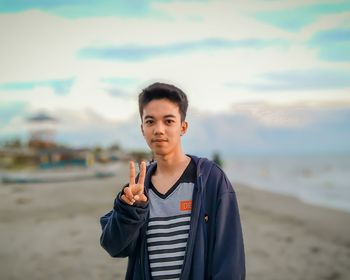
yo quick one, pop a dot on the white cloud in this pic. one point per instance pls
(39, 46)
(273, 115)
(248, 128)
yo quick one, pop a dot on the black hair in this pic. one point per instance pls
(164, 91)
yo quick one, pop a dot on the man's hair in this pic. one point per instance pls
(164, 91)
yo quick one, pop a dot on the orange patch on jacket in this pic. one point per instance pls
(185, 205)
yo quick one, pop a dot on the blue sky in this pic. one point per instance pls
(273, 76)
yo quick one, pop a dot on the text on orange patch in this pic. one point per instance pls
(185, 205)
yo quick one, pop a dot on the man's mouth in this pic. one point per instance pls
(159, 140)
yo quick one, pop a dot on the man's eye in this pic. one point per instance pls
(169, 121)
(149, 122)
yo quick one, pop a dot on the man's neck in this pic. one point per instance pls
(166, 164)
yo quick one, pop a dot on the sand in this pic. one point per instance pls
(52, 231)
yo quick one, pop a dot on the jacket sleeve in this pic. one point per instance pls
(229, 256)
(121, 227)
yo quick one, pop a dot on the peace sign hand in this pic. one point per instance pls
(135, 191)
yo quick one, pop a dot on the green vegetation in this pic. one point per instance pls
(217, 159)
(12, 143)
(139, 155)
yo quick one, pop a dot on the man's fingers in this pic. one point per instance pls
(142, 197)
(133, 188)
(132, 173)
(142, 175)
(127, 200)
(128, 193)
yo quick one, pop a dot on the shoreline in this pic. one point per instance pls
(298, 198)
(316, 180)
(320, 219)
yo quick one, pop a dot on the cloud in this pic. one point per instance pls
(89, 128)
(78, 9)
(85, 93)
(333, 45)
(302, 80)
(60, 87)
(274, 116)
(11, 110)
(46, 46)
(141, 52)
(241, 131)
(120, 93)
(244, 133)
(199, 56)
(294, 19)
(121, 87)
(42, 117)
(91, 8)
(119, 81)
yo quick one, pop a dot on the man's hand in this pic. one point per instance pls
(135, 191)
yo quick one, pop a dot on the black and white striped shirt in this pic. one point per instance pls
(169, 226)
(166, 241)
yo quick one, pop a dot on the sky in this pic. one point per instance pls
(263, 76)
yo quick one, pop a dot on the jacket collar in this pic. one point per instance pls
(203, 168)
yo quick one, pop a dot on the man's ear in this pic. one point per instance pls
(184, 127)
(143, 133)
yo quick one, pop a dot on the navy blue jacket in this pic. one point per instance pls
(215, 244)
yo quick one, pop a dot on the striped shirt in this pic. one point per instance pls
(169, 225)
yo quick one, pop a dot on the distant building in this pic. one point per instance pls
(42, 131)
(44, 152)
(62, 157)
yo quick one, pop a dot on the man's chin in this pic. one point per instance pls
(160, 151)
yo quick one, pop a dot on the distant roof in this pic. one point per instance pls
(40, 117)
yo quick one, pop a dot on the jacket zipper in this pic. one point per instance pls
(145, 272)
(193, 228)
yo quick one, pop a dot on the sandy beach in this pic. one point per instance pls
(51, 231)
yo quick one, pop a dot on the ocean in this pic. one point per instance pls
(321, 180)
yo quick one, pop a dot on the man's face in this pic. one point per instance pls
(162, 126)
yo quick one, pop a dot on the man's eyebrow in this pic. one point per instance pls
(169, 116)
(166, 116)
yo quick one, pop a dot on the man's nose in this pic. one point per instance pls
(158, 128)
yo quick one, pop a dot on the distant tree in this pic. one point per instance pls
(138, 156)
(97, 149)
(115, 147)
(217, 159)
(13, 143)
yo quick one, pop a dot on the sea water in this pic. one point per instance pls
(322, 180)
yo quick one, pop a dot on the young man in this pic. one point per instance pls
(179, 219)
